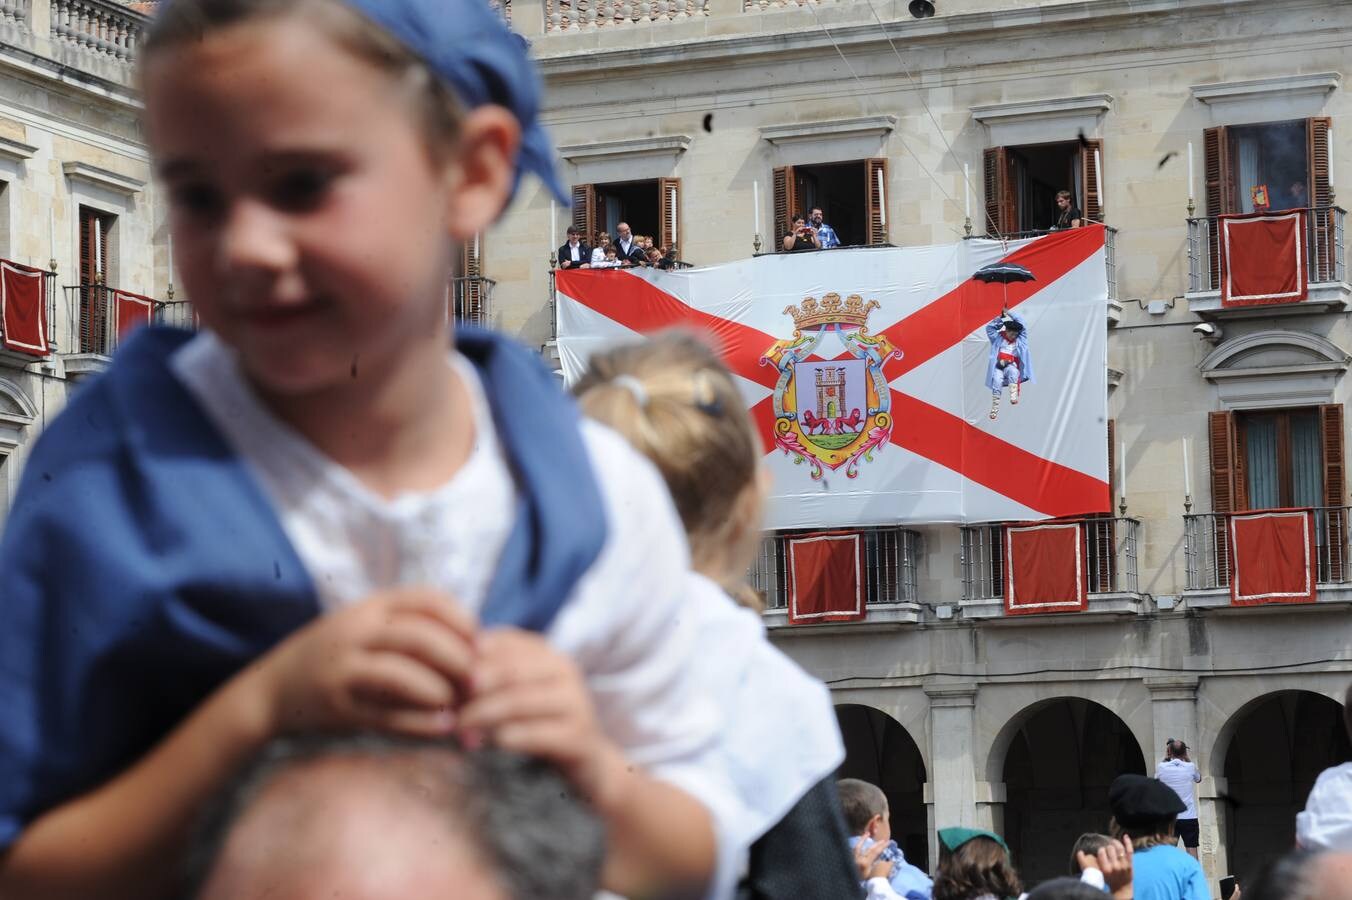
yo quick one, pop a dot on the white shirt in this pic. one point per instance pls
(1326, 821)
(629, 624)
(1181, 776)
(575, 251)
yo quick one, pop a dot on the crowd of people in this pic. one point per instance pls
(626, 251)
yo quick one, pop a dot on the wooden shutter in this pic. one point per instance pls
(94, 321)
(1220, 191)
(1322, 256)
(786, 203)
(669, 212)
(1222, 428)
(584, 212)
(1002, 204)
(1331, 430)
(877, 199)
(1093, 203)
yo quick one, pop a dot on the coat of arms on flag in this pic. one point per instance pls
(834, 409)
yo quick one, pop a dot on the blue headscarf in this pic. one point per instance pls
(467, 44)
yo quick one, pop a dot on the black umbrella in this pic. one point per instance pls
(1003, 273)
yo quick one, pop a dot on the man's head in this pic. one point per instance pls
(1302, 875)
(865, 808)
(1298, 189)
(622, 232)
(374, 818)
(816, 217)
(1063, 199)
(574, 235)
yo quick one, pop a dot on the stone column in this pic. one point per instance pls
(1173, 706)
(952, 776)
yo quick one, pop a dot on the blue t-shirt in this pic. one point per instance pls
(1167, 873)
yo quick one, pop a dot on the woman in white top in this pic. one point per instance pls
(1179, 772)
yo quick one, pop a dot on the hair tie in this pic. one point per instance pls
(634, 387)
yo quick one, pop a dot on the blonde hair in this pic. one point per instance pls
(674, 401)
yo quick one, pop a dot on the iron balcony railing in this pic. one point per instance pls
(1325, 249)
(890, 556)
(1109, 250)
(1109, 547)
(472, 300)
(92, 318)
(1206, 547)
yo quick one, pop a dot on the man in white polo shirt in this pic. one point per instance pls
(1180, 773)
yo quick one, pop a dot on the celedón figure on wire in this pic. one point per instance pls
(1010, 364)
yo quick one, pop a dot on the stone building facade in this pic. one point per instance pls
(698, 121)
(73, 171)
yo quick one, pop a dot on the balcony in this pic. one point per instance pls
(890, 556)
(1109, 563)
(1110, 260)
(1326, 253)
(472, 300)
(1206, 551)
(99, 318)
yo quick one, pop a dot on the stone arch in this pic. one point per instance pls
(1245, 694)
(1056, 758)
(1276, 367)
(882, 752)
(1273, 749)
(15, 402)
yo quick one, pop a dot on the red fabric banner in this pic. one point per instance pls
(1273, 557)
(1263, 259)
(23, 308)
(1044, 569)
(133, 311)
(826, 577)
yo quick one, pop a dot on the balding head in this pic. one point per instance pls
(371, 819)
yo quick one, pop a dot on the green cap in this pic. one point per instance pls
(953, 838)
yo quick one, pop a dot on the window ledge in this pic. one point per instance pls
(16, 151)
(112, 181)
(82, 365)
(878, 616)
(1114, 312)
(1037, 110)
(1284, 87)
(863, 126)
(1326, 596)
(1329, 296)
(672, 145)
(1106, 606)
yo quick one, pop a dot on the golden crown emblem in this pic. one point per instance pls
(831, 310)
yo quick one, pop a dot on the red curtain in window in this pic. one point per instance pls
(1264, 259)
(1044, 568)
(133, 311)
(23, 308)
(825, 577)
(1274, 558)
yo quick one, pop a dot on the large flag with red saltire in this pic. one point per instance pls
(889, 385)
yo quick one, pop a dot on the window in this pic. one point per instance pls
(94, 261)
(1286, 160)
(1271, 459)
(1022, 182)
(851, 196)
(96, 272)
(650, 208)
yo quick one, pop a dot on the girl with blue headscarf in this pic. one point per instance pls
(304, 517)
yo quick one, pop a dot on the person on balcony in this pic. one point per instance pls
(1297, 196)
(825, 233)
(801, 237)
(599, 247)
(627, 247)
(1068, 215)
(575, 254)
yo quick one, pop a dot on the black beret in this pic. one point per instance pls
(1138, 800)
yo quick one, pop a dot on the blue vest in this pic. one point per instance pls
(142, 565)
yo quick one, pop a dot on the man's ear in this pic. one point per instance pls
(483, 171)
(872, 827)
